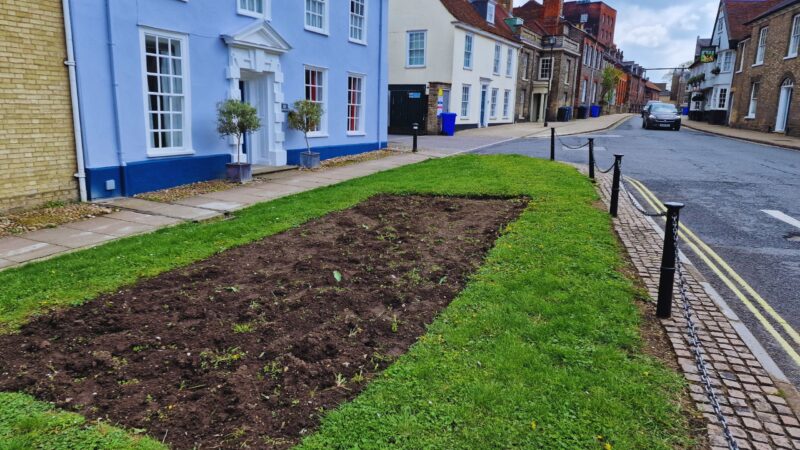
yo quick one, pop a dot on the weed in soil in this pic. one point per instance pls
(253, 345)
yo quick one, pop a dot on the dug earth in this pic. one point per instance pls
(253, 345)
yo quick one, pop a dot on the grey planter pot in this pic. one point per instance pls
(309, 160)
(239, 172)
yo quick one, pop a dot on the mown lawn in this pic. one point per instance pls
(542, 350)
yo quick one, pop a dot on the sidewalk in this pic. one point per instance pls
(477, 138)
(139, 216)
(776, 139)
(753, 400)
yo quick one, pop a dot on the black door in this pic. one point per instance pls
(408, 104)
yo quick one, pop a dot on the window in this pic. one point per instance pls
(594, 92)
(794, 41)
(506, 103)
(727, 61)
(743, 51)
(545, 68)
(762, 45)
(254, 8)
(468, 41)
(416, 48)
(465, 91)
(525, 64)
(569, 70)
(751, 112)
(316, 92)
(358, 21)
(355, 104)
(584, 18)
(722, 98)
(493, 103)
(165, 71)
(509, 62)
(523, 96)
(490, 9)
(497, 57)
(583, 90)
(316, 15)
(719, 25)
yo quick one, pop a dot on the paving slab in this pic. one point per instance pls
(211, 203)
(113, 227)
(164, 209)
(145, 219)
(19, 249)
(237, 195)
(69, 237)
(5, 263)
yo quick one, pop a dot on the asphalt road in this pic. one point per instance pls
(726, 185)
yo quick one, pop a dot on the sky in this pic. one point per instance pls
(660, 33)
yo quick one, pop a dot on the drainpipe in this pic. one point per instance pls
(115, 85)
(73, 91)
(380, 72)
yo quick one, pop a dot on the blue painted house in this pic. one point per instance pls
(150, 74)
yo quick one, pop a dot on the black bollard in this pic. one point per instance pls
(591, 158)
(415, 127)
(615, 184)
(668, 261)
(552, 144)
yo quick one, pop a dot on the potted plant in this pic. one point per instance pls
(236, 118)
(306, 116)
(716, 70)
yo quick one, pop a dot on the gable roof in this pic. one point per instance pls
(464, 12)
(739, 13)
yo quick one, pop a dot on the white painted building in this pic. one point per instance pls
(462, 48)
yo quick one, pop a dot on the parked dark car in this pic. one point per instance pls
(647, 106)
(662, 115)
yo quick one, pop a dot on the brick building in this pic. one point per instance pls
(532, 90)
(764, 81)
(37, 143)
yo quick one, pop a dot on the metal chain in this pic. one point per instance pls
(604, 171)
(635, 203)
(569, 146)
(696, 345)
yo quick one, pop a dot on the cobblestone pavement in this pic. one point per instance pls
(757, 404)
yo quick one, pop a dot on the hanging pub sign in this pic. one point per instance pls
(708, 54)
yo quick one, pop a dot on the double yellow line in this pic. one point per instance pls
(732, 280)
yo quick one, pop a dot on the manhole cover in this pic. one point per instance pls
(793, 236)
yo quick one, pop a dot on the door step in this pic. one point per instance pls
(267, 170)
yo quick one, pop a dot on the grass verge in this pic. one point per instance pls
(542, 350)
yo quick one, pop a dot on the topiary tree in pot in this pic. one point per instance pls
(306, 116)
(236, 118)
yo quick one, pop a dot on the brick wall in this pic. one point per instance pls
(770, 76)
(434, 123)
(37, 150)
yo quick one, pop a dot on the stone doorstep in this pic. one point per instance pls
(749, 388)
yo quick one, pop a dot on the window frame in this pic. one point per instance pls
(526, 66)
(186, 112)
(266, 5)
(361, 130)
(567, 72)
(743, 51)
(752, 107)
(491, 11)
(364, 17)
(722, 98)
(794, 37)
(541, 66)
(469, 37)
(466, 98)
(761, 46)
(424, 49)
(323, 123)
(510, 62)
(498, 59)
(727, 61)
(325, 17)
(507, 104)
(493, 98)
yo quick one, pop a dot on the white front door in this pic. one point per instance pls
(783, 106)
(257, 92)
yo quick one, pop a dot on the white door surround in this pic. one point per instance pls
(254, 56)
(784, 102)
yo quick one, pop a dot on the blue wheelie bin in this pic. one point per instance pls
(449, 124)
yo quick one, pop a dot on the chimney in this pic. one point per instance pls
(508, 5)
(551, 16)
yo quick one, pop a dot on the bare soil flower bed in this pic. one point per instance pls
(251, 346)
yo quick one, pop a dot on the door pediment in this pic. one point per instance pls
(259, 35)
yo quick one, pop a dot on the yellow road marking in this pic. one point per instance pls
(690, 237)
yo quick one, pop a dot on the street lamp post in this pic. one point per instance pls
(551, 41)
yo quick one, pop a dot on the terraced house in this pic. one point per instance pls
(461, 49)
(37, 142)
(150, 74)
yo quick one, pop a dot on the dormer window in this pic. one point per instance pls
(490, 8)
